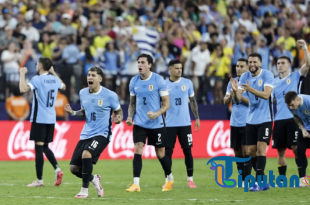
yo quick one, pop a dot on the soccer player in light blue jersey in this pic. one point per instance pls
(149, 100)
(178, 120)
(97, 106)
(258, 84)
(285, 131)
(238, 114)
(299, 106)
(43, 115)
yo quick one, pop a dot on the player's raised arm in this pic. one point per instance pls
(52, 71)
(23, 87)
(305, 67)
(79, 113)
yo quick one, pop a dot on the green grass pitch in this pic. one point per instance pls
(117, 174)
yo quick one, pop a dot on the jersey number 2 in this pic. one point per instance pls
(50, 98)
(144, 99)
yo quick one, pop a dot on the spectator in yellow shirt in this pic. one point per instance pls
(290, 42)
(220, 67)
(101, 41)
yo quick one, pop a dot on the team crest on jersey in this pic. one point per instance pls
(288, 81)
(151, 87)
(183, 87)
(307, 112)
(100, 102)
(260, 82)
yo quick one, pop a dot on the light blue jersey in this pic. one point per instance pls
(179, 92)
(281, 87)
(239, 110)
(303, 112)
(260, 110)
(45, 88)
(98, 108)
(148, 93)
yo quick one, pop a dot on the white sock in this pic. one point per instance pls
(170, 177)
(190, 178)
(136, 181)
(57, 169)
(41, 181)
(166, 179)
(84, 190)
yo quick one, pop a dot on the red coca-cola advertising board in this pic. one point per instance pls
(211, 140)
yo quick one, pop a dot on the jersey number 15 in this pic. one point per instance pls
(50, 98)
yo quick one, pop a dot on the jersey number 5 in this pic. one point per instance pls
(50, 98)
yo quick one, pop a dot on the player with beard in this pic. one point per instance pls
(238, 114)
(97, 106)
(43, 115)
(258, 84)
(285, 131)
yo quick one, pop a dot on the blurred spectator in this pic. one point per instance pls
(162, 59)
(61, 101)
(37, 22)
(66, 29)
(18, 35)
(266, 7)
(7, 38)
(46, 46)
(10, 59)
(6, 19)
(200, 61)
(219, 69)
(17, 106)
(30, 32)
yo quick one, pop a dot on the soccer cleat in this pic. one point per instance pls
(303, 182)
(191, 184)
(35, 183)
(97, 184)
(83, 193)
(58, 178)
(257, 188)
(168, 186)
(133, 188)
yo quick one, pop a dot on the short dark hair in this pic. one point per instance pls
(290, 96)
(148, 57)
(173, 62)
(46, 63)
(243, 60)
(256, 55)
(16, 91)
(96, 69)
(285, 57)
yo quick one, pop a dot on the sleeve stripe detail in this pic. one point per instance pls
(163, 93)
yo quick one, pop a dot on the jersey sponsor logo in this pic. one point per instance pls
(183, 87)
(100, 103)
(288, 81)
(151, 87)
(260, 82)
(19, 144)
(307, 112)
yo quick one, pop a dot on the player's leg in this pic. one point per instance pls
(90, 156)
(186, 141)
(50, 155)
(37, 134)
(139, 139)
(279, 139)
(292, 137)
(235, 143)
(170, 142)
(263, 139)
(157, 138)
(250, 148)
(302, 161)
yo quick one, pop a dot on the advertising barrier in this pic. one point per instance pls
(211, 140)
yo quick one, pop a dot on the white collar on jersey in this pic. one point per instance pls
(44, 74)
(175, 81)
(147, 78)
(96, 92)
(301, 99)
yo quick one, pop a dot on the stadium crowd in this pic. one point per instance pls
(207, 36)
